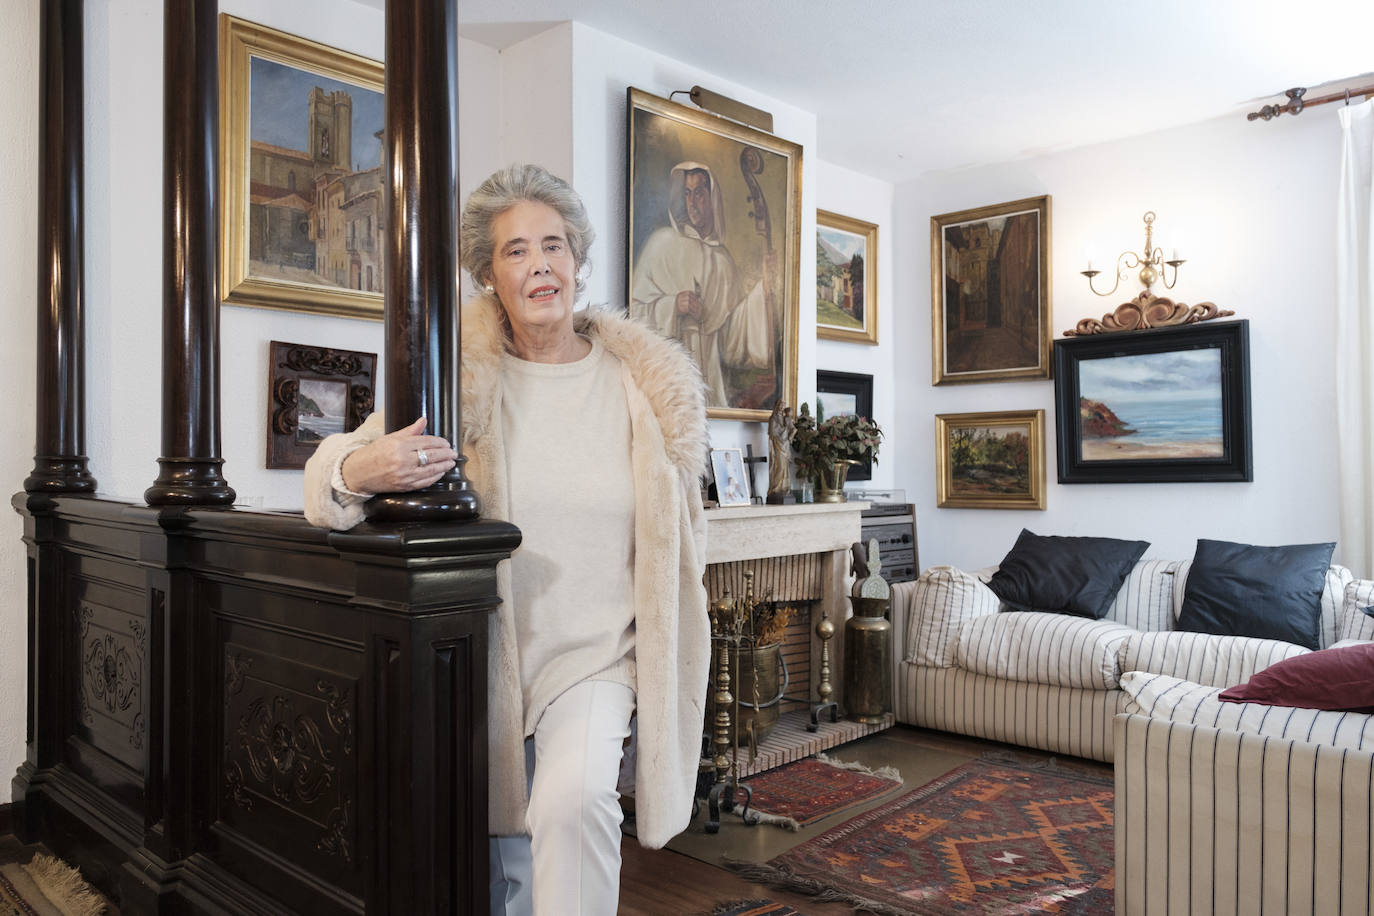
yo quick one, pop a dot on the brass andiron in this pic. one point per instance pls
(728, 621)
(825, 630)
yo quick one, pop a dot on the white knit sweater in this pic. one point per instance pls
(567, 430)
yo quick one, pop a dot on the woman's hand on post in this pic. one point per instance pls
(392, 463)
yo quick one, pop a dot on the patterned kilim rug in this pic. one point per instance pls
(993, 836)
(46, 887)
(803, 792)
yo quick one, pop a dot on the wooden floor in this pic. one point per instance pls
(667, 882)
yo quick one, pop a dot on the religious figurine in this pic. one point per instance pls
(781, 426)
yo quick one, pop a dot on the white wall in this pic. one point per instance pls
(19, 257)
(1252, 207)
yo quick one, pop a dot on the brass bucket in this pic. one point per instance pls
(758, 680)
(868, 661)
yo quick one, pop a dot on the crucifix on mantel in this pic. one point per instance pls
(750, 459)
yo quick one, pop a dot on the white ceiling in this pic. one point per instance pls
(902, 87)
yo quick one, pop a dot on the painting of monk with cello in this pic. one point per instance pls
(714, 231)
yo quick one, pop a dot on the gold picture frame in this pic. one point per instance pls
(845, 309)
(990, 460)
(730, 295)
(990, 293)
(300, 228)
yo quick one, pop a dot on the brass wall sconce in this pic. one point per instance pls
(1150, 260)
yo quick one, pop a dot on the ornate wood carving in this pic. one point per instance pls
(1148, 311)
(110, 662)
(324, 373)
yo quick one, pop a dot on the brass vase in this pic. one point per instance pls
(830, 482)
(758, 678)
(868, 661)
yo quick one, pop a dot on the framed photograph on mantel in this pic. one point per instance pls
(1169, 404)
(312, 392)
(846, 393)
(990, 293)
(302, 202)
(846, 278)
(714, 242)
(990, 460)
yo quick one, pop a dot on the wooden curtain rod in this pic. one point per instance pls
(1296, 102)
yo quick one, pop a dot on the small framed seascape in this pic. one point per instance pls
(311, 393)
(1164, 405)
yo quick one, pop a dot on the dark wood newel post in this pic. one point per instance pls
(421, 270)
(59, 464)
(190, 466)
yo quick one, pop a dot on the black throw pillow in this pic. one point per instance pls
(1065, 575)
(1268, 592)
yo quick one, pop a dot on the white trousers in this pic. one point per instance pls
(570, 862)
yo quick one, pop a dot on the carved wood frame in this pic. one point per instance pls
(291, 364)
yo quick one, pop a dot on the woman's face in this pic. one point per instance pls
(532, 268)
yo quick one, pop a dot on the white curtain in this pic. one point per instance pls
(1355, 338)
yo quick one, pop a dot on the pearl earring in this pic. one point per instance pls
(489, 289)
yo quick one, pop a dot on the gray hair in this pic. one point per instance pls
(503, 190)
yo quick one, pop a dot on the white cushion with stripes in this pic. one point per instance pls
(937, 605)
(1162, 697)
(1333, 597)
(1056, 649)
(1354, 622)
(1145, 598)
(1202, 658)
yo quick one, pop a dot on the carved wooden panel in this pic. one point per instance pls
(109, 647)
(289, 761)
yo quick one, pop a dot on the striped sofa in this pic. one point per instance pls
(1055, 682)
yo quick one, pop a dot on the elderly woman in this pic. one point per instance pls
(588, 431)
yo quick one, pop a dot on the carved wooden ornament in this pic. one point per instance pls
(1148, 311)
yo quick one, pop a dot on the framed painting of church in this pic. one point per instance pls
(846, 278)
(990, 293)
(714, 249)
(302, 202)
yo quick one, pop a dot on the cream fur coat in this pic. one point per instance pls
(672, 632)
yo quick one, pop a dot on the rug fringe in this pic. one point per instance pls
(777, 820)
(887, 772)
(786, 879)
(65, 886)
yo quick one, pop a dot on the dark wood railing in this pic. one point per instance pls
(233, 711)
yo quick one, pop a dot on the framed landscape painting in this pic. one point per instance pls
(990, 460)
(1169, 404)
(846, 278)
(302, 199)
(990, 293)
(714, 242)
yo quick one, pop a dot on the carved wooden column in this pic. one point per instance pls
(59, 464)
(421, 271)
(190, 462)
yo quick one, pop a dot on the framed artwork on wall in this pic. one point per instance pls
(714, 242)
(990, 293)
(732, 482)
(302, 200)
(846, 393)
(846, 278)
(312, 392)
(990, 460)
(1168, 404)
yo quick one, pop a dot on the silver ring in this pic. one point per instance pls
(422, 457)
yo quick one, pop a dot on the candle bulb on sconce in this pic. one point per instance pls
(1150, 260)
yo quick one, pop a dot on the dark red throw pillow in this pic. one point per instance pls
(1340, 679)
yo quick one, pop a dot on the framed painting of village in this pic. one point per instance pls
(1169, 404)
(714, 241)
(991, 460)
(990, 293)
(302, 202)
(846, 278)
